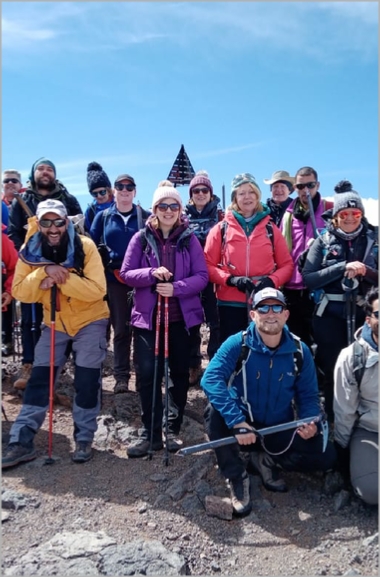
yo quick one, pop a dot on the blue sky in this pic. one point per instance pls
(245, 86)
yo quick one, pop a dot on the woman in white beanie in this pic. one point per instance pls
(166, 259)
(340, 267)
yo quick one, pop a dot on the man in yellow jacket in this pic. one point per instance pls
(57, 255)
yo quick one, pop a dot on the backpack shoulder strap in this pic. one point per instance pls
(359, 362)
(223, 232)
(298, 355)
(143, 240)
(243, 353)
(269, 227)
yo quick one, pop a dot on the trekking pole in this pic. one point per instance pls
(312, 214)
(34, 324)
(49, 460)
(155, 378)
(166, 357)
(349, 286)
(15, 331)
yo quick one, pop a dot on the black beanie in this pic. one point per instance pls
(96, 177)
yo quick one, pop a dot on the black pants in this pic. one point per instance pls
(302, 456)
(6, 325)
(31, 320)
(144, 361)
(330, 333)
(208, 300)
(232, 321)
(301, 309)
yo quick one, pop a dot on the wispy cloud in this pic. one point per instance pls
(345, 28)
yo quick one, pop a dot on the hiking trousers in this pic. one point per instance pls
(302, 456)
(364, 465)
(89, 347)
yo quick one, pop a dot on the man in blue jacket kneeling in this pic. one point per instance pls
(258, 379)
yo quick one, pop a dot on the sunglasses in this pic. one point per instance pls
(308, 185)
(375, 314)
(163, 207)
(12, 180)
(120, 186)
(47, 223)
(264, 309)
(99, 193)
(199, 190)
(343, 214)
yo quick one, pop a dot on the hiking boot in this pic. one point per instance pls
(240, 495)
(6, 349)
(16, 453)
(195, 375)
(83, 452)
(141, 448)
(120, 387)
(23, 376)
(264, 465)
(174, 443)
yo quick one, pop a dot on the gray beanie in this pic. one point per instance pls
(346, 197)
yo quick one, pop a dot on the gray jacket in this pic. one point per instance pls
(355, 406)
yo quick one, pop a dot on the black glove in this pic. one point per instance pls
(242, 283)
(264, 283)
(105, 254)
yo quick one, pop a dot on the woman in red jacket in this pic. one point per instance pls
(245, 252)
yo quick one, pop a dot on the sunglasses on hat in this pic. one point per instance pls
(308, 185)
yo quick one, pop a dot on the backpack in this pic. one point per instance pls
(359, 362)
(224, 226)
(298, 355)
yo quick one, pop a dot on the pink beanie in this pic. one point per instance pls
(200, 179)
(165, 192)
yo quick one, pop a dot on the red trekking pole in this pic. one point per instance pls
(156, 359)
(166, 365)
(49, 459)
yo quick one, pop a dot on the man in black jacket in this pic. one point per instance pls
(42, 184)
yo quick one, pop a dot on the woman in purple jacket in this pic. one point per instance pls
(165, 258)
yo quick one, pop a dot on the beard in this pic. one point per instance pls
(43, 185)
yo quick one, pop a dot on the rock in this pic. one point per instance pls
(371, 540)
(341, 500)
(14, 500)
(218, 507)
(4, 515)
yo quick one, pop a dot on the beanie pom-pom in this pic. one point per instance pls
(343, 186)
(94, 166)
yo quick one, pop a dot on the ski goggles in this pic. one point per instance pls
(264, 309)
(99, 193)
(12, 180)
(308, 185)
(48, 223)
(163, 207)
(120, 186)
(343, 214)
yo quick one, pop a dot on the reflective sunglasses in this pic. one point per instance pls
(264, 309)
(308, 185)
(199, 190)
(48, 223)
(12, 180)
(343, 214)
(375, 314)
(120, 186)
(99, 193)
(163, 207)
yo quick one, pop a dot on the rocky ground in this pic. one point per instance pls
(120, 516)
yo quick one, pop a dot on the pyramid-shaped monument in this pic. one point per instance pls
(182, 171)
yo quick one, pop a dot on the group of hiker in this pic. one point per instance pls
(287, 288)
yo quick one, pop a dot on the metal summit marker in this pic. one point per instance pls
(182, 171)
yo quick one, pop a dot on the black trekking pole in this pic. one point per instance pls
(166, 358)
(49, 459)
(16, 337)
(349, 287)
(34, 324)
(155, 377)
(312, 214)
